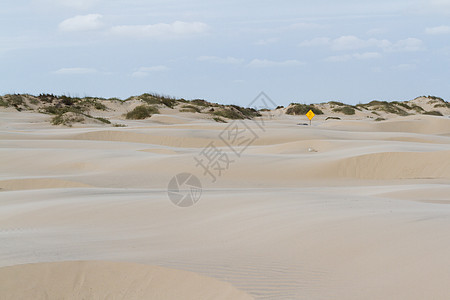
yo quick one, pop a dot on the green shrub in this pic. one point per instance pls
(380, 119)
(47, 98)
(201, 102)
(332, 118)
(16, 100)
(229, 114)
(67, 101)
(433, 113)
(302, 109)
(337, 103)
(247, 112)
(442, 105)
(153, 99)
(220, 120)
(3, 102)
(385, 106)
(417, 108)
(57, 120)
(402, 104)
(141, 112)
(191, 108)
(67, 119)
(59, 110)
(99, 106)
(103, 120)
(346, 110)
(34, 101)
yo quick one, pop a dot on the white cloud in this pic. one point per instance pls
(438, 30)
(407, 45)
(441, 6)
(359, 56)
(221, 60)
(264, 42)
(367, 55)
(303, 26)
(145, 71)
(319, 41)
(376, 31)
(82, 23)
(263, 63)
(338, 58)
(404, 67)
(73, 4)
(75, 71)
(350, 42)
(161, 30)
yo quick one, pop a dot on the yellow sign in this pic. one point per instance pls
(310, 115)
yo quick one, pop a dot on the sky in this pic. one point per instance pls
(303, 51)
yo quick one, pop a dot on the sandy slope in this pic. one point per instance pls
(108, 280)
(350, 209)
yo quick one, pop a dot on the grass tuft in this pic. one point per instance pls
(141, 112)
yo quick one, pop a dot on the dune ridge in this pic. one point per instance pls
(343, 209)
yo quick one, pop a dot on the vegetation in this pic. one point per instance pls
(346, 110)
(228, 113)
(153, 99)
(434, 99)
(3, 102)
(190, 108)
(380, 119)
(247, 112)
(201, 102)
(67, 109)
(67, 119)
(433, 113)
(219, 119)
(235, 112)
(302, 109)
(103, 120)
(391, 108)
(443, 105)
(332, 118)
(402, 104)
(142, 112)
(336, 103)
(417, 108)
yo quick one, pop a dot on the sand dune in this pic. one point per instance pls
(108, 280)
(348, 209)
(39, 183)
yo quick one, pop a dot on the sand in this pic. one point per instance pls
(349, 209)
(109, 280)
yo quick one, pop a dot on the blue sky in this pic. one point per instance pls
(227, 51)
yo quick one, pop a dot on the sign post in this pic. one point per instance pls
(310, 115)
